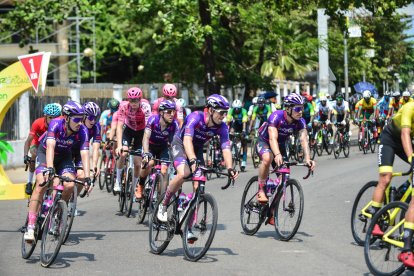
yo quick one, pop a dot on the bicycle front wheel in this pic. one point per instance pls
(381, 256)
(337, 145)
(53, 233)
(201, 222)
(129, 194)
(102, 169)
(29, 247)
(255, 156)
(251, 211)
(71, 212)
(288, 210)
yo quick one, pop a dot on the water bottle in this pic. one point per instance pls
(402, 189)
(47, 203)
(270, 187)
(188, 198)
(217, 155)
(393, 194)
(181, 200)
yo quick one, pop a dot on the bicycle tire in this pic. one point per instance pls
(365, 142)
(129, 195)
(196, 250)
(285, 234)
(101, 178)
(254, 155)
(372, 145)
(360, 224)
(58, 214)
(109, 174)
(167, 228)
(299, 156)
(376, 246)
(159, 180)
(209, 160)
(328, 146)
(27, 248)
(346, 147)
(121, 194)
(337, 145)
(234, 154)
(249, 206)
(71, 212)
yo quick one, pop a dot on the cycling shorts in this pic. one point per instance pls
(61, 162)
(160, 152)
(128, 135)
(263, 147)
(178, 153)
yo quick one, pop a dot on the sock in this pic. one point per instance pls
(262, 184)
(118, 176)
(408, 235)
(167, 197)
(30, 177)
(135, 180)
(244, 156)
(32, 220)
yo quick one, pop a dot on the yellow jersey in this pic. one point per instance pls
(404, 118)
(367, 106)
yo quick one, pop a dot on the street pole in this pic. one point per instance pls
(346, 67)
(78, 57)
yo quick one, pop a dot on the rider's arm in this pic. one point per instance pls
(145, 139)
(189, 147)
(245, 118)
(253, 117)
(50, 152)
(303, 136)
(84, 149)
(95, 153)
(119, 127)
(406, 118)
(273, 136)
(27, 143)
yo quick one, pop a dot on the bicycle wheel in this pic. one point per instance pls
(298, 151)
(360, 223)
(102, 169)
(372, 145)
(161, 233)
(381, 257)
(365, 142)
(71, 212)
(345, 146)
(122, 193)
(251, 211)
(28, 247)
(337, 145)
(255, 156)
(110, 174)
(328, 145)
(234, 155)
(129, 194)
(202, 221)
(210, 160)
(53, 233)
(288, 210)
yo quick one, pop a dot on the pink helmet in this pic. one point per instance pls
(134, 93)
(169, 90)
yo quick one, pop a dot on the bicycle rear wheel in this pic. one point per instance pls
(255, 156)
(345, 145)
(161, 233)
(53, 233)
(71, 212)
(251, 211)
(129, 194)
(328, 145)
(360, 223)
(102, 169)
(202, 221)
(28, 247)
(288, 210)
(365, 142)
(337, 145)
(372, 145)
(381, 257)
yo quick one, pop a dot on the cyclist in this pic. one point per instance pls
(340, 110)
(54, 155)
(271, 96)
(323, 109)
(366, 109)
(187, 147)
(262, 110)
(406, 98)
(237, 120)
(183, 104)
(381, 112)
(158, 133)
(106, 117)
(308, 111)
(272, 136)
(39, 126)
(130, 126)
(394, 104)
(169, 92)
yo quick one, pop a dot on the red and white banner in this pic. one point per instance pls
(36, 66)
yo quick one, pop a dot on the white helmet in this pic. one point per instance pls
(387, 93)
(366, 94)
(406, 93)
(236, 104)
(181, 102)
(254, 101)
(323, 98)
(396, 94)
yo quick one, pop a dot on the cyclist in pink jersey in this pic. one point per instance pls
(130, 127)
(169, 92)
(146, 108)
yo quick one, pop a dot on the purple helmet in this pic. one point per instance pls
(92, 109)
(293, 99)
(218, 102)
(167, 104)
(72, 108)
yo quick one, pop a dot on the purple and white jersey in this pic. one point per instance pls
(93, 133)
(278, 120)
(196, 127)
(64, 143)
(161, 137)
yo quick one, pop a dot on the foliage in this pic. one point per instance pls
(5, 148)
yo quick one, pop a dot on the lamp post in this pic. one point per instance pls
(89, 53)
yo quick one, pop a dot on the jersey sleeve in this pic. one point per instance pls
(273, 120)
(122, 113)
(407, 115)
(254, 114)
(97, 133)
(52, 129)
(224, 136)
(150, 122)
(84, 138)
(155, 106)
(230, 115)
(192, 120)
(245, 118)
(35, 128)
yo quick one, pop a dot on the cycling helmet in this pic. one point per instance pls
(406, 93)
(323, 99)
(181, 102)
(366, 94)
(293, 99)
(134, 93)
(261, 100)
(396, 94)
(167, 104)
(387, 93)
(113, 104)
(72, 108)
(218, 102)
(92, 109)
(52, 110)
(254, 101)
(236, 104)
(169, 90)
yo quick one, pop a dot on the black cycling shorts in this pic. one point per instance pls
(128, 135)
(390, 146)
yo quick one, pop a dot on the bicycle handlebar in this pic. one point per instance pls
(295, 163)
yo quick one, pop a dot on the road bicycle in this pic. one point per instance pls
(341, 141)
(236, 149)
(127, 194)
(253, 153)
(285, 204)
(107, 167)
(360, 216)
(366, 137)
(323, 139)
(214, 157)
(51, 223)
(199, 216)
(152, 191)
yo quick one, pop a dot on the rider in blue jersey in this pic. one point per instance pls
(106, 118)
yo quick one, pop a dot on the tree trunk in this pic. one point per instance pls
(210, 85)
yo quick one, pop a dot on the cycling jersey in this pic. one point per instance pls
(64, 143)
(367, 106)
(161, 137)
(93, 133)
(115, 120)
(308, 111)
(106, 118)
(403, 102)
(278, 119)
(239, 118)
(340, 109)
(383, 106)
(394, 104)
(263, 113)
(146, 108)
(403, 118)
(38, 128)
(196, 127)
(134, 119)
(179, 109)
(323, 111)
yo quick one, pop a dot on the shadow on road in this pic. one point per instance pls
(65, 258)
(76, 237)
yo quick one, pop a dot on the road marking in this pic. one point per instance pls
(293, 251)
(347, 201)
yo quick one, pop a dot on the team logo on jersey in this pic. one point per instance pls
(210, 133)
(165, 132)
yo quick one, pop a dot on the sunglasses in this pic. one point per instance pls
(91, 118)
(133, 100)
(298, 109)
(221, 112)
(169, 111)
(77, 120)
(51, 118)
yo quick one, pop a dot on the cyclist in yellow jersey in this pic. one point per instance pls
(366, 108)
(396, 140)
(405, 99)
(394, 104)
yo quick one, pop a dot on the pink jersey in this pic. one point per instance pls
(115, 119)
(178, 115)
(146, 108)
(134, 119)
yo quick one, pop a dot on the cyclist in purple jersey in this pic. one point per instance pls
(158, 134)
(54, 155)
(187, 148)
(273, 134)
(92, 113)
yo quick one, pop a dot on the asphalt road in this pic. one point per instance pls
(103, 242)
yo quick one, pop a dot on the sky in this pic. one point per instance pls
(409, 10)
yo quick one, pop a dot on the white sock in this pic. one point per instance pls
(30, 178)
(135, 180)
(118, 176)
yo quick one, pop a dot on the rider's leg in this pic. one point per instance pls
(29, 185)
(119, 167)
(266, 157)
(135, 177)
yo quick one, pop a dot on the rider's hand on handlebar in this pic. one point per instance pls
(311, 164)
(88, 184)
(146, 157)
(118, 151)
(233, 174)
(27, 159)
(278, 159)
